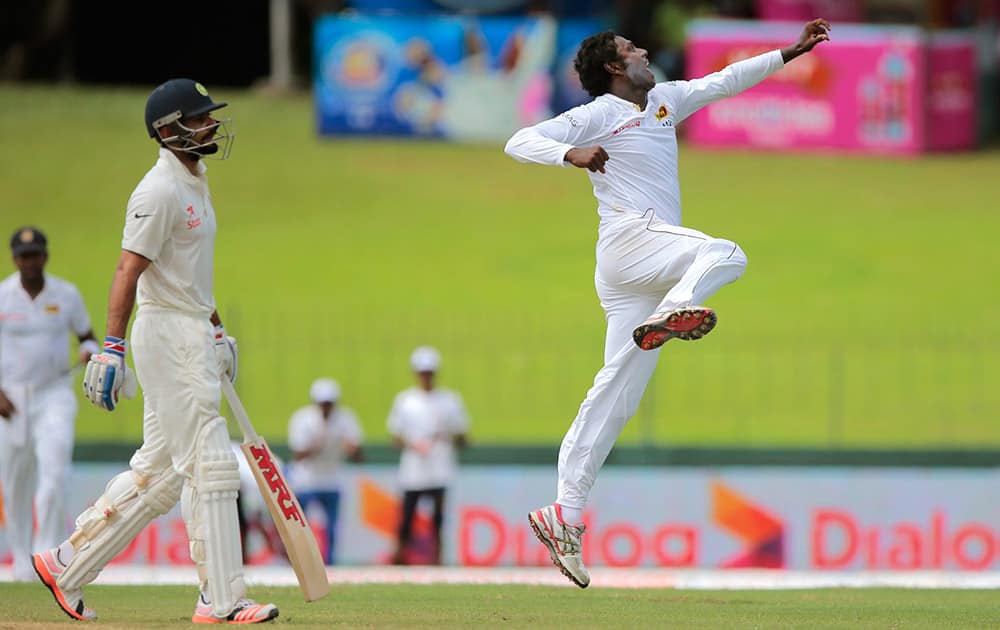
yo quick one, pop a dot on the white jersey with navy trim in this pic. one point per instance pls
(641, 172)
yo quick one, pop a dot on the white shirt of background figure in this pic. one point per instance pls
(34, 322)
(321, 436)
(427, 423)
(38, 406)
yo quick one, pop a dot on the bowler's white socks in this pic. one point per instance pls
(571, 515)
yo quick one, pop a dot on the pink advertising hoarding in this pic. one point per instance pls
(833, 10)
(866, 90)
(951, 91)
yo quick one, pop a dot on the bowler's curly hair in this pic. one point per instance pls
(595, 51)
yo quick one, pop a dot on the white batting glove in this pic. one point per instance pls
(227, 354)
(107, 375)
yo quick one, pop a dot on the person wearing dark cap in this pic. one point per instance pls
(180, 352)
(37, 403)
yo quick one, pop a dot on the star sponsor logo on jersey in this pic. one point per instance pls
(628, 125)
(193, 221)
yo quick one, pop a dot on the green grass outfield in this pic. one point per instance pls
(868, 315)
(480, 606)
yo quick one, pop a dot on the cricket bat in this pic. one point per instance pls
(289, 519)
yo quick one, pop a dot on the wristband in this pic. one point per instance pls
(114, 345)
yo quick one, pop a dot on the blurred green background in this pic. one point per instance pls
(868, 316)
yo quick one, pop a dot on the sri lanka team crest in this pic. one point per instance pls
(662, 116)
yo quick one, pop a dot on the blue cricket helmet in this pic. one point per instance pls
(175, 100)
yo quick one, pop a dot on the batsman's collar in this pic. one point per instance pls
(179, 170)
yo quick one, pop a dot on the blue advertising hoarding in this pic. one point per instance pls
(455, 77)
(567, 90)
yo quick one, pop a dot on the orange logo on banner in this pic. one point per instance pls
(763, 533)
(814, 75)
(382, 511)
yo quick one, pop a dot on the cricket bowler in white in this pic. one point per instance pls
(652, 275)
(180, 352)
(37, 402)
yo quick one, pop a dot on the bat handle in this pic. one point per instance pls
(249, 434)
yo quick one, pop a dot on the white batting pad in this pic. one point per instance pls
(209, 508)
(129, 503)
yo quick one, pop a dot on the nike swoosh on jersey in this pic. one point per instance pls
(141, 216)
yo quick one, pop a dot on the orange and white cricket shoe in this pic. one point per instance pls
(563, 542)
(245, 611)
(687, 323)
(49, 568)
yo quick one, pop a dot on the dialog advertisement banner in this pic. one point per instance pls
(827, 519)
(462, 78)
(862, 91)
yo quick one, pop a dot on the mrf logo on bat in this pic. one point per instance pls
(276, 484)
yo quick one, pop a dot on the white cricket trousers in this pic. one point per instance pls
(644, 266)
(175, 363)
(186, 451)
(36, 454)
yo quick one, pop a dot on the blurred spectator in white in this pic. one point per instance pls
(321, 437)
(427, 423)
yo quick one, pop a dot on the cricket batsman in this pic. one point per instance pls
(180, 351)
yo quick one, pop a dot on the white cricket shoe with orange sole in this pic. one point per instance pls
(48, 567)
(245, 611)
(563, 542)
